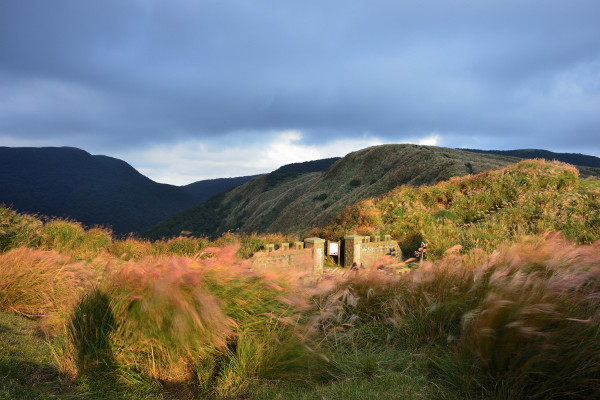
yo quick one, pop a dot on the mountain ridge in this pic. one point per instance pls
(202, 190)
(68, 182)
(580, 160)
(295, 204)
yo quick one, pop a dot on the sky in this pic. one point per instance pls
(185, 90)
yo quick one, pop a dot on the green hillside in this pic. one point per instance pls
(296, 203)
(481, 211)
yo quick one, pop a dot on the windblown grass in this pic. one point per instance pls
(18, 230)
(209, 321)
(72, 238)
(41, 284)
(521, 323)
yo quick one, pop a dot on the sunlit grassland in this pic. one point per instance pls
(513, 313)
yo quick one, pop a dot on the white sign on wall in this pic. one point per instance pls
(334, 248)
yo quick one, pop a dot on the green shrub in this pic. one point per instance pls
(320, 197)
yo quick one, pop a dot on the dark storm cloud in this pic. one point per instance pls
(504, 74)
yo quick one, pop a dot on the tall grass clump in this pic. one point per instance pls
(41, 284)
(130, 248)
(164, 321)
(180, 246)
(72, 238)
(537, 327)
(18, 230)
(61, 235)
(209, 322)
(406, 311)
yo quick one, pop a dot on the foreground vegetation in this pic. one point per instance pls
(516, 316)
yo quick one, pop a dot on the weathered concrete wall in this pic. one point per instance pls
(365, 250)
(310, 255)
(307, 256)
(371, 252)
(318, 247)
(301, 259)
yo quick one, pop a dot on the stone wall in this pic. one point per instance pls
(366, 250)
(371, 252)
(308, 256)
(301, 259)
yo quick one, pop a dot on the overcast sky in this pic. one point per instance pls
(185, 90)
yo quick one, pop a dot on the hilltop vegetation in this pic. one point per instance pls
(98, 190)
(292, 202)
(484, 210)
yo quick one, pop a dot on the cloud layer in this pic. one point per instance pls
(194, 79)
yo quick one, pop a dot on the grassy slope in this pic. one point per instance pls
(483, 210)
(205, 189)
(290, 203)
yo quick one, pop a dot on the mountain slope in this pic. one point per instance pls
(95, 190)
(205, 189)
(298, 202)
